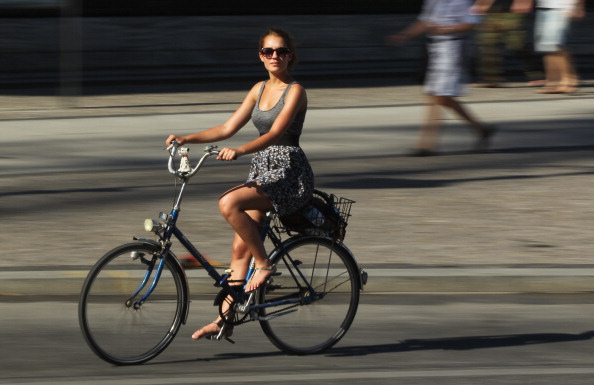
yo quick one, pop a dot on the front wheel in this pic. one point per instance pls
(116, 325)
(314, 296)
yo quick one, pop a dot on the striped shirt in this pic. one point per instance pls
(448, 13)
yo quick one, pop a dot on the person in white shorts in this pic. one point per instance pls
(551, 28)
(447, 24)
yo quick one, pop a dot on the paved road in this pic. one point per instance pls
(404, 339)
(76, 181)
(78, 177)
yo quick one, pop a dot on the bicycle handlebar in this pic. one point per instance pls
(185, 169)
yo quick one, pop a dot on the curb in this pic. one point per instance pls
(407, 280)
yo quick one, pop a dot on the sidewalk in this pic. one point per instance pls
(211, 98)
(545, 274)
(483, 280)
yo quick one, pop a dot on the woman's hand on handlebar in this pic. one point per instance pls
(228, 154)
(179, 139)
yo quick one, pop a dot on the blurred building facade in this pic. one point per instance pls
(67, 44)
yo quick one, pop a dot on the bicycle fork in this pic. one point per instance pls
(150, 267)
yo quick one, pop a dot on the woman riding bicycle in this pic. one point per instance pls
(280, 177)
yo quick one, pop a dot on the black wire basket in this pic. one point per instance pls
(330, 219)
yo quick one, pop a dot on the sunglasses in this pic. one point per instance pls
(281, 52)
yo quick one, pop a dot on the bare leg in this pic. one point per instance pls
(235, 206)
(561, 74)
(430, 129)
(551, 64)
(568, 76)
(454, 105)
(483, 131)
(241, 256)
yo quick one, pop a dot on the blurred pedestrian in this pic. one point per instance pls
(448, 25)
(552, 24)
(505, 27)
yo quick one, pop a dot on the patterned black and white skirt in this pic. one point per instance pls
(285, 175)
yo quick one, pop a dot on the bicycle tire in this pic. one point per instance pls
(116, 331)
(309, 328)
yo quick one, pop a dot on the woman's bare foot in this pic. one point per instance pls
(212, 329)
(260, 276)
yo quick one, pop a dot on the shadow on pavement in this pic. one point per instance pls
(462, 343)
(454, 343)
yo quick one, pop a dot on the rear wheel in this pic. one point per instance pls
(118, 328)
(322, 280)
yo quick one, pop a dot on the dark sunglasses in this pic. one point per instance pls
(268, 52)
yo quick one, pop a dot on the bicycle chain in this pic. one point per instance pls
(246, 320)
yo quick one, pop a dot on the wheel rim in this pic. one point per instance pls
(314, 327)
(118, 332)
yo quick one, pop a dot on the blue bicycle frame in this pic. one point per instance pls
(170, 229)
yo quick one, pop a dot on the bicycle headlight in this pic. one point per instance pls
(150, 225)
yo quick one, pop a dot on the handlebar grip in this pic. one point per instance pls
(173, 147)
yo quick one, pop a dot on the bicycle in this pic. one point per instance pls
(136, 296)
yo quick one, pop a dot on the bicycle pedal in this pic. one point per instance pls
(217, 338)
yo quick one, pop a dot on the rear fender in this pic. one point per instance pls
(362, 276)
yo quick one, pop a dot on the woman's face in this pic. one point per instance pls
(276, 60)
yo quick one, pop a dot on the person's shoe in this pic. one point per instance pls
(484, 140)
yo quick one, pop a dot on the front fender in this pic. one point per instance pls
(178, 268)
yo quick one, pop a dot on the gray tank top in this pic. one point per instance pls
(263, 120)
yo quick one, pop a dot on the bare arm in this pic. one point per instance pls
(295, 101)
(579, 11)
(415, 29)
(226, 130)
